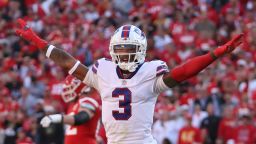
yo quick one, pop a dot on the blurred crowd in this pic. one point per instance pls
(217, 106)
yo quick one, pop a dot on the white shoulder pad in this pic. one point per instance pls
(161, 67)
(151, 70)
(106, 70)
(92, 76)
(95, 66)
(155, 68)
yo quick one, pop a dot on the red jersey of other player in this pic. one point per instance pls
(101, 135)
(82, 115)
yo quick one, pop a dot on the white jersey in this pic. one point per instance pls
(128, 104)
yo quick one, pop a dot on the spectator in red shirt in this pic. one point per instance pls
(227, 125)
(189, 134)
(244, 133)
(22, 138)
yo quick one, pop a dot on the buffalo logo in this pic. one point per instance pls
(139, 32)
(143, 35)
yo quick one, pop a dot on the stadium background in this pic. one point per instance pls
(219, 102)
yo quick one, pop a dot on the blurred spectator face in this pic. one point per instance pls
(164, 115)
(160, 31)
(20, 116)
(11, 117)
(245, 120)
(24, 92)
(197, 108)
(39, 106)
(188, 118)
(229, 85)
(184, 111)
(179, 17)
(4, 92)
(26, 61)
(233, 2)
(210, 109)
(201, 92)
(228, 112)
(253, 32)
(21, 134)
(230, 17)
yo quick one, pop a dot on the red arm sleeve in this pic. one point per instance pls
(191, 67)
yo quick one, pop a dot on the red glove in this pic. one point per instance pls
(28, 34)
(229, 46)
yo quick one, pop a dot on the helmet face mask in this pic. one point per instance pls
(126, 55)
(128, 47)
(68, 93)
(73, 88)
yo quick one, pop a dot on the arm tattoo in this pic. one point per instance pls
(63, 59)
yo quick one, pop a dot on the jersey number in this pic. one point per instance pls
(125, 103)
(70, 130)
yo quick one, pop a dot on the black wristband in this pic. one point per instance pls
(81, 118)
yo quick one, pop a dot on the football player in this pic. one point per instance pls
(128, 85)
(82, 115)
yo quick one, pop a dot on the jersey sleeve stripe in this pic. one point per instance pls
(91, 100)
(94, 70)
(161, 67)
(88, 105)
(96, 64)
(95, 67)
(161, 72)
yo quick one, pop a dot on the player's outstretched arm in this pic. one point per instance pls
(60, 57)
(80, 118)
(83, 116)
(197, 64)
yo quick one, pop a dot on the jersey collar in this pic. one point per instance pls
(121, 76)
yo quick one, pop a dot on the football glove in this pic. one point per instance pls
(229, 46)
(25, 32)
(47, 120)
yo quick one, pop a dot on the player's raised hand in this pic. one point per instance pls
(25, 32)
(229, 46)
(47, 120)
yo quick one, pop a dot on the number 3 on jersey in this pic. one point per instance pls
(125, 103)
